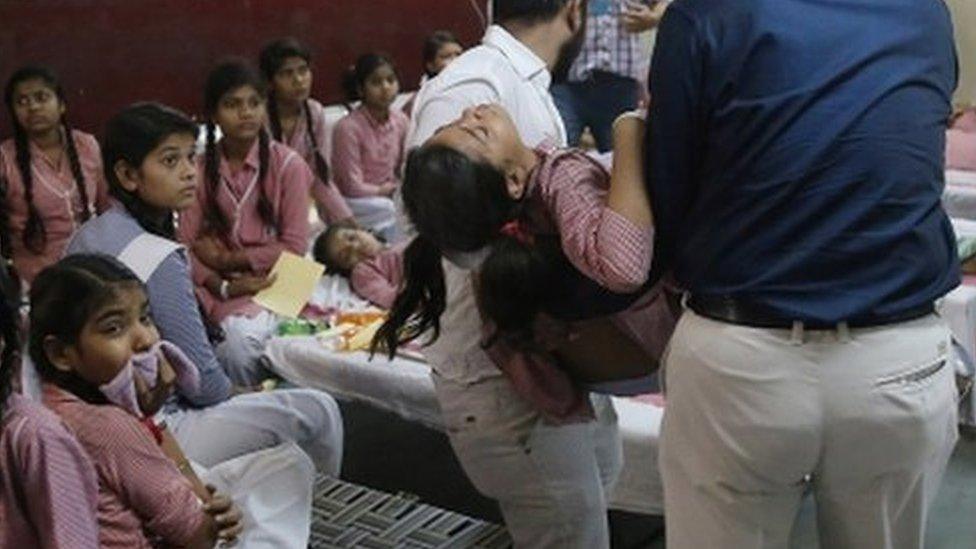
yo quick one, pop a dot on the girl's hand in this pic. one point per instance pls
(151, 400)
(212, 252)
(249, 285)
(640, 17)
(387, 189)
(226, 516)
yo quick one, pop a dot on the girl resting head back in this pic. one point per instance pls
(149, 154)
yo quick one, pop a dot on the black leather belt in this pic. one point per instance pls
(755, 315)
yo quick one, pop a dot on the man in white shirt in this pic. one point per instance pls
(551, 480)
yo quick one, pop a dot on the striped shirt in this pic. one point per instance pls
(48, 490)
(143, 500)
(568, 196)
(609, 47)
(171, 299)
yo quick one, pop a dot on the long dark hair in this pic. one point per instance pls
(130, 136)
(35, 238)
(62, 299)
(273, 56)
(224, 78)
(458, 205)
(9, 331)
(355, 76)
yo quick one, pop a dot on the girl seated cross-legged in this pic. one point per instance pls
(152, 173)
(106, 372)
(48, 490)
(252, 204)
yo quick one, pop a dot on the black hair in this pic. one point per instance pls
(62, 299)
(35, 238)
(355, 76)
(130, 136)
(224, 78)
(9, 331)
(433, 45)
(458, 205)
(529, 11)
(320, 250)
(272, 57)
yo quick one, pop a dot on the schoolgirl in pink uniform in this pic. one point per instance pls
(369, 145)
(299, 121)
(53, 173)
(252, 205)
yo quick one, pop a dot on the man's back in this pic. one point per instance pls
(806, 170)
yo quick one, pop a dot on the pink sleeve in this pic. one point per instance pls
(293, 184)
(101, 185)
(347, 165)
(189, 229)
(331, 205)
(378, 279)
(56, 472)
(598, 241)
(149, 482)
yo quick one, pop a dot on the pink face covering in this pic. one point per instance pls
(121, 390)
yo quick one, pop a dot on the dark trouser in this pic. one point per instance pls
(595, 103)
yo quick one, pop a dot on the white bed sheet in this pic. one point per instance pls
(959, 195)
(404, 387)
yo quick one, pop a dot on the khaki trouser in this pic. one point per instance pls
(550, 481)
(864, 418)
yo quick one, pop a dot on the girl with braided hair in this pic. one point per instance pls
(298, 121)
(53, 173)
(252, 205)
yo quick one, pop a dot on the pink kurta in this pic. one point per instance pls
(367, 154)
(48, 490)
(56, 198)
(141, 493)
(326, 195)
(378, 279)
(287, 186)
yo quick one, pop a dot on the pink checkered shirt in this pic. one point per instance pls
(569, 192)
(48, 490)
(143, 500)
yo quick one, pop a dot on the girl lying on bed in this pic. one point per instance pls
(527, 222)
(374, 269)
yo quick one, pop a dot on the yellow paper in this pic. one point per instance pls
(292, 289)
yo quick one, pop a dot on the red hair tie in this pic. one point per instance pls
(517, 230)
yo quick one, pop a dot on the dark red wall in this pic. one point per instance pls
(112, 52)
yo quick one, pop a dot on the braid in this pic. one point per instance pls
(215, 218)
(264, 203)
(86, 208)
(35, 238)
(6, 240)
(273, 117)
(321, 167)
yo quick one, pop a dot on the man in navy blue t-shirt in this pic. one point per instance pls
(795, 163)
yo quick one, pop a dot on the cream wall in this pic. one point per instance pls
(964, 20)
